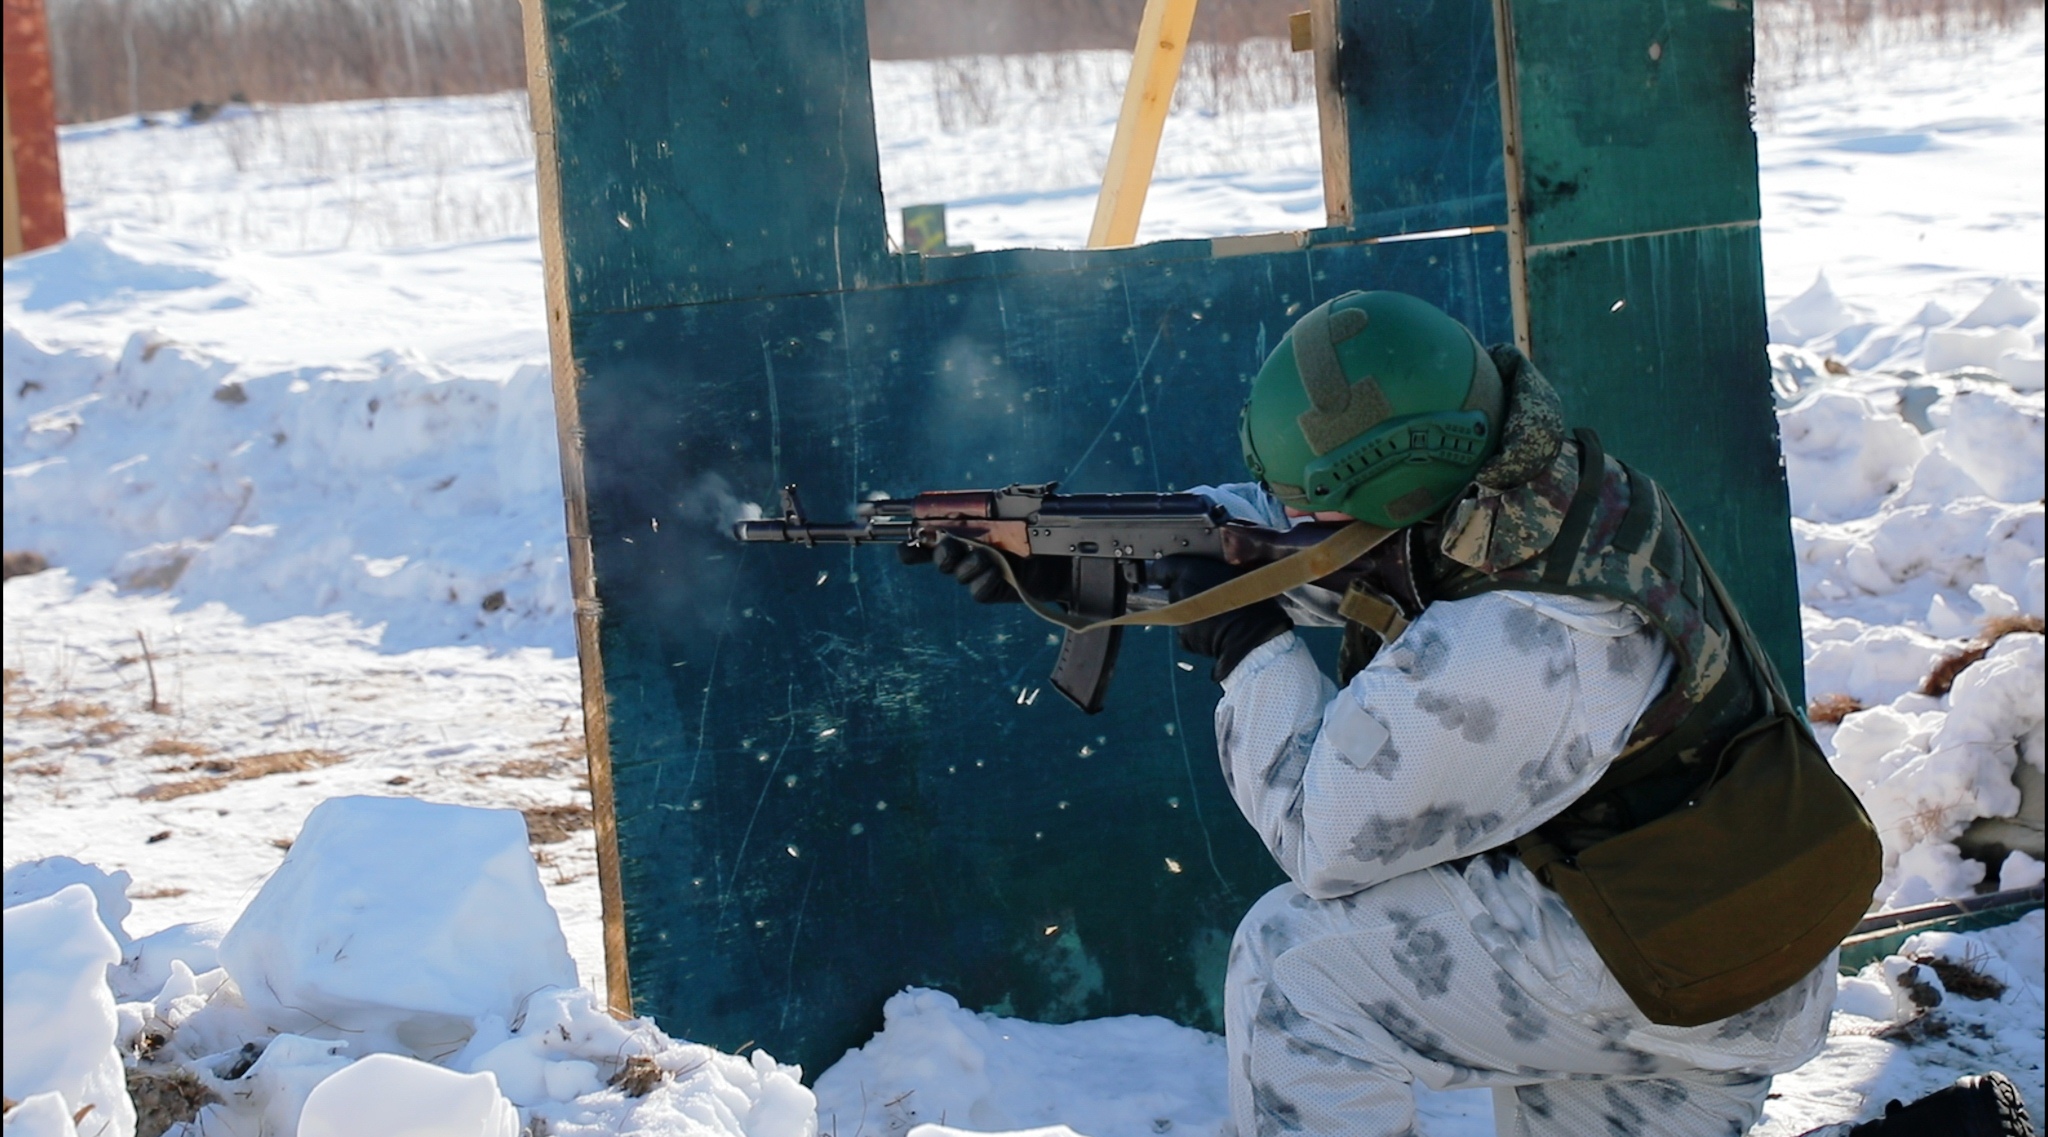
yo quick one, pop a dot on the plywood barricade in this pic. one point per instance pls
(820, 776)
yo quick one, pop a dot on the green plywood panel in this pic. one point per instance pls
(826, 785)
(1421, 97)
(764, 700)
(713, 150)
(1657, 342)
(1634, 116)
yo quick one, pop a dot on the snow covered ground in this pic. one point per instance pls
(279, 415)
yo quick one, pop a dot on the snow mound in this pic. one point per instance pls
(39, 1115)
(401, 974)
(33, 880)
(2001, 335)
(1842, 455)
(88, 271)
(396, 923)
(403, 1097)
(1918, 520)
(60, 1020)
(934, 1062)
(392, 489)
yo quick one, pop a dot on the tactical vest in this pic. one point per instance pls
(1719, 860)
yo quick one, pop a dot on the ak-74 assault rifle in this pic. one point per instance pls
(1109, 539)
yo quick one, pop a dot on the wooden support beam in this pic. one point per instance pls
(568, 378)
(1155, 67)
(1331, 121)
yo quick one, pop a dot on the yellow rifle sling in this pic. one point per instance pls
(1262, 583)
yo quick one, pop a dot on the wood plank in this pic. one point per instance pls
(566, 378)
(1331, 124)
(1148, 95)
(1634, 117)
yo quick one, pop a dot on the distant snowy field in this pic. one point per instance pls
(279, 414)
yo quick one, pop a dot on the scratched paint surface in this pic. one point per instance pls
(1635, 117)
(834, 775)
(1422, 98)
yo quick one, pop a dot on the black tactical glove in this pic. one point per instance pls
(1045, 578)
(1227, 638)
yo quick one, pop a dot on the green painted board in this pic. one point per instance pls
(1421, 91)
(714, 150)
(1859, 952)
(1608, 320)
(1635, 117)
(836, 776)
(823, 776)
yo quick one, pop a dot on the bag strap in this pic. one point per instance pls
(1263, 583)
(1579, 515)
(1737, 625)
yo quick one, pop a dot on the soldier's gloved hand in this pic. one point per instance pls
(1045, 578)
(1227, 638)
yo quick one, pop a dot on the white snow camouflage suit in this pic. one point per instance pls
(1396, 955)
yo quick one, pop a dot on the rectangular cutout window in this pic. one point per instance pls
(1004, 114)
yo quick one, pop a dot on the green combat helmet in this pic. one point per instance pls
(1377, 405)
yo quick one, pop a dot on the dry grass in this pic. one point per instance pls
(1832, 709)
(219, 773)
(638, 1077)
(176, 748)
(1943, 677)
(549, 824)
(1964, 977)
(22, 562)
(525, 768)
(166, 1097)
(67, 710)
(166, 893)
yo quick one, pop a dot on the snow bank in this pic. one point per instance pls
(1917, 519)
(401, 973)
(935, 1062)
(396, 923)
(2001, 335)
(60, 1018)
(392, 489)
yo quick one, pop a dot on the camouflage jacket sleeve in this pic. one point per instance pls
(1483, 720)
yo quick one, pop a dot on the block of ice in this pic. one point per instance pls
(60, 1019)
(397, 923)
(401, 1097)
